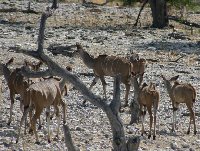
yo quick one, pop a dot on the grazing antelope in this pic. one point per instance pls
(148, 97)
(42, 95)
(105, 65)
(181, 93)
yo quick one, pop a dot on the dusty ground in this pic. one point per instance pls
(107, 31)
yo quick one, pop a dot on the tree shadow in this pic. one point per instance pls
(12, 23)
(175, 45)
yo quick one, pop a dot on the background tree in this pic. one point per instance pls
(159, 13)
(159, 9)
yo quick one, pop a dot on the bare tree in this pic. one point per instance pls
(112, 109)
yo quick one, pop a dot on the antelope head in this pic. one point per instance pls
(79, 49)
(167, 82)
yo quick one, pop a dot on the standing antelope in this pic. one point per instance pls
(139, 65)
(181, 93)
(17, 84)
(148, 97)
(105, 65)
(42, 95)
(5, 71)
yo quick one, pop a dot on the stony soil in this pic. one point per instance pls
(108, 31)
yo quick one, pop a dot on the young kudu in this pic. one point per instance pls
(148, 97)
(181, 93)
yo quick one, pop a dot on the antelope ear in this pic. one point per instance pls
(174, 78)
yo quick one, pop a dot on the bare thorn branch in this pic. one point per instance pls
(26, 52)
(116, 103)
(68, 139)
(44, 17)
(145, 2)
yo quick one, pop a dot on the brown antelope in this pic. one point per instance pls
(105, 65)
(181, 93)
(42, 95)
(148, 97)
(139, 65)
(5, 71)
(17, 84)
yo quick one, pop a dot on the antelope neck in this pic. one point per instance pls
(87, 59)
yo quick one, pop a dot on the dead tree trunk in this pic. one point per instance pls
(111, 110)
(54, 4)
(68, 140)
(159, 13)
(135, 104)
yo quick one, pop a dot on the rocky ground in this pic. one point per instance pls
(102, 30)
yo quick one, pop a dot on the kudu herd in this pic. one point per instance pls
(39, 93)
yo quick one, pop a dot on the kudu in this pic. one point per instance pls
(138, 65)
(105, 65)
(17, 84)
(42, 95)
(181, 93)
(148, 97)
(6, 72)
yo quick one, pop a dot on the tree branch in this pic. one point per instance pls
(68, 139)
(185, 22)
(31, 74)
(116, 103)
(145, 2)
(44, 17)
(26, 52)
(134, 103)
(54, 4)
(177, 59)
